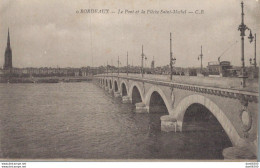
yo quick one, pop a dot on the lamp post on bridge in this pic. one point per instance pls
(107, 67)
(145, 61)
(242, 28)
(172, 60)
(118, 62)
(254, 63)
(127, 63)
(142, 63)
(200, 58)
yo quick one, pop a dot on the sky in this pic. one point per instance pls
(51, 33)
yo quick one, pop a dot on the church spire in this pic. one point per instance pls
(8, 39)
(8, 54)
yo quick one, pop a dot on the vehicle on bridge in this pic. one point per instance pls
(221, 69)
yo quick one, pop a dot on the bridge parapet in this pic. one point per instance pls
(220, 82)
(243, 95)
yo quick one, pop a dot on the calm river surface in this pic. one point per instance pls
(82, 121)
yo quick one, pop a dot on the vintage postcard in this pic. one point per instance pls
(146, 80)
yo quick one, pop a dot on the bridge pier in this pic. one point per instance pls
(169, 124)
(141, 108)
(117, 94)
(245, 151)
(126, 99)
(110, 90)
(232, 153)
(106, 88)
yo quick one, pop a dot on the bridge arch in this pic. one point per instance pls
(135, 87)
(110, 84)
(124, 88)
(106, 83)
(153, 90)
(226, 124)
(115, 86)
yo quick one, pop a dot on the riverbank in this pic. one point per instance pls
(44, 79)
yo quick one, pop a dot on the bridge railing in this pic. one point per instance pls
(217, 82)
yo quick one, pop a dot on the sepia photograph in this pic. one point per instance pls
(128, 80)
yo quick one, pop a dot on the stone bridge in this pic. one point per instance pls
(235, 109)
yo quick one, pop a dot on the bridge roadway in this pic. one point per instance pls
(235, 108)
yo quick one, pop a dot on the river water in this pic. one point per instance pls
(82, 121)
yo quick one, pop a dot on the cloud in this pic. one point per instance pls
(50, 33)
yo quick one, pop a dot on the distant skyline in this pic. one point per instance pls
(50, 33)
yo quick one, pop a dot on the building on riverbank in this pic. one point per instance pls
(49, 71)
